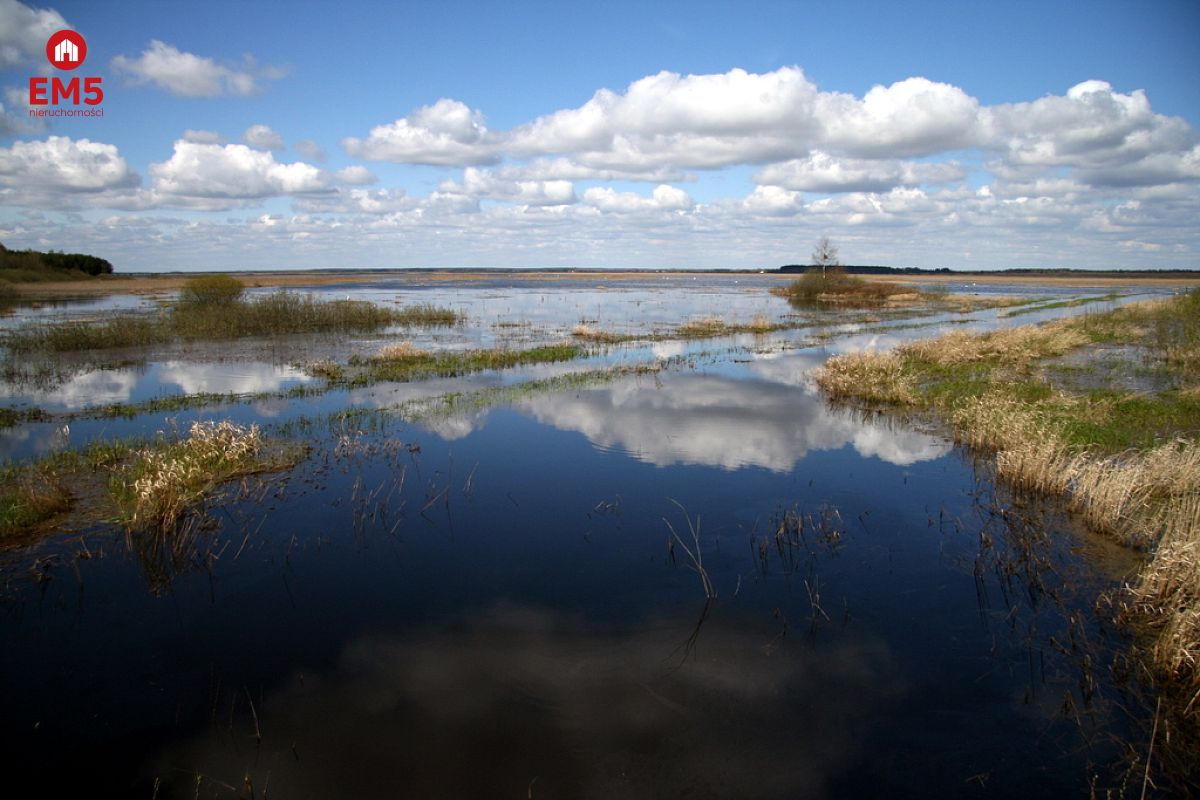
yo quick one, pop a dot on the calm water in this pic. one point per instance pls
(491, 600)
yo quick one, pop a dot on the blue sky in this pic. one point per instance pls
(353, 134)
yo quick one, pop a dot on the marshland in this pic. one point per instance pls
(633, 535)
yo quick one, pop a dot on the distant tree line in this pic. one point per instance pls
(55, 261)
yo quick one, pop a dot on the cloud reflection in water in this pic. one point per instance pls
(486, 704)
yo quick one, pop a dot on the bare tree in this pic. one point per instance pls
(825, 254)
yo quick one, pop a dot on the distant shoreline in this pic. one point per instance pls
(151, 283)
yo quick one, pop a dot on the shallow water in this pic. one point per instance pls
(497, 598)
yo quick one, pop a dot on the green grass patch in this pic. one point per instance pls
(30, 498)
(409, 364)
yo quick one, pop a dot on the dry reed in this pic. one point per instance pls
(399, 351)
(161, 483)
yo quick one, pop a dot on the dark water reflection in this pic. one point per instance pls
(516, 699)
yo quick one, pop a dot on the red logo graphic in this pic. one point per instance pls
(66, 49)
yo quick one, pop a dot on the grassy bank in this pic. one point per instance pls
(1128, 462)
(217, 311)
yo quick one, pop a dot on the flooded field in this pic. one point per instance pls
(663, 566)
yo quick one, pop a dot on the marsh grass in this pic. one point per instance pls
(399, 351)
(159, 483)
(35, 495)
(30, 499)
(206, 314)
(407, 363)
(1127, 463)
(587, 333)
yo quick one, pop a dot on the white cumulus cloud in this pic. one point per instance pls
(231, 172)
(189, 75)
(664, 198)
(24, 31)
(355, 175)
(821, 172)
(447, 133)
(483, 184)
(262, 137)
(63, 164)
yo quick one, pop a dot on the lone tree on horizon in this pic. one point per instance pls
(825, 255)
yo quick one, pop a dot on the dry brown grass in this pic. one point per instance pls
(160, 483)
(1007, 345)
(1166, 595)
(703, 326)
(399, 351)
(879, 377)
(760, 323)
(589, 334)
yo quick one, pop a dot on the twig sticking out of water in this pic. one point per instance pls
(693, 553)
(1150, 752)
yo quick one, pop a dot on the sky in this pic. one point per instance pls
(969, 135)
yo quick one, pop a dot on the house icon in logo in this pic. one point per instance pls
(66, 51)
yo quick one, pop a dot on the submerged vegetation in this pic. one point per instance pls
(1128, 462)
(212, 308)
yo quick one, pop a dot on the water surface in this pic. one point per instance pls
(503, 598)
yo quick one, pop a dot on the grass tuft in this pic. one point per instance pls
(399, 351)
(29, 499)
(159, 483)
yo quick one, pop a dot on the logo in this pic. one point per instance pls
(66, 49)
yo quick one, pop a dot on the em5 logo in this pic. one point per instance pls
(66, 50)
